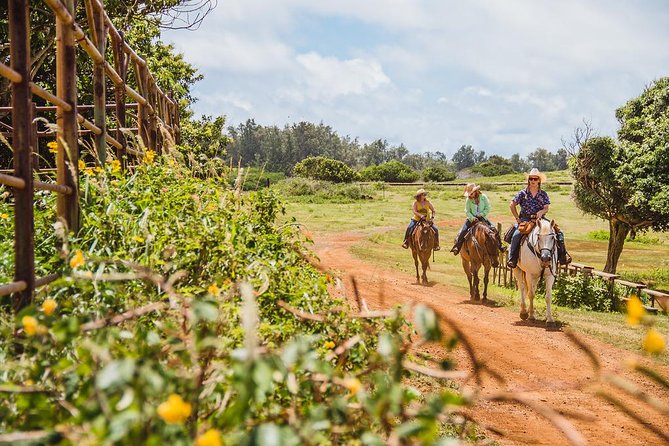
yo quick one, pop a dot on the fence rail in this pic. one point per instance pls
(157, 115)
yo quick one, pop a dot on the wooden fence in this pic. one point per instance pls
(157, 114)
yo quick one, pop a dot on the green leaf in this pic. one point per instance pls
(427, 323)
(115, 373)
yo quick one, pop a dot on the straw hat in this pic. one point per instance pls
(536, 173)
(470, 189)
(420, 192)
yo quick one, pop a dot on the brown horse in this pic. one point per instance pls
(480, 248)
(422, 243)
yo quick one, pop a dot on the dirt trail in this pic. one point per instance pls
(531, 359)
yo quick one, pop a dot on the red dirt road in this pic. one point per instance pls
(545, 365)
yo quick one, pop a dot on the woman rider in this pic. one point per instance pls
(422, 208)
(534, 204)
(477, 207)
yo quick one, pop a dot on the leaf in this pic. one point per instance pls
(115, 373)
(427, 323)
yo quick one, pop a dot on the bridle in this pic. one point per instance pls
(540, 247)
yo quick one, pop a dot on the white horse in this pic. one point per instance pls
(538, 255)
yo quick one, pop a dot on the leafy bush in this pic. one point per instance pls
(302, 187)
(646, 239)
(495, 165)
(438, 173)
(254, 178)
(326, 169)
(390, 172)
(589, 293)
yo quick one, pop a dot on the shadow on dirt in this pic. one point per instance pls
(430, 284)
(487, 303)
(538, 323)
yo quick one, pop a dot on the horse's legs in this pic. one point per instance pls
(520, 280)
(475, 280)
(425, 264)
(486, 272)
(550, 280)
(531, 291)
(415, 261)
(466, 267)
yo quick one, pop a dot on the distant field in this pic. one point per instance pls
(384, 217)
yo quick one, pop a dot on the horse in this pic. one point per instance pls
(479, 249)
(538, 255)
(422, 243)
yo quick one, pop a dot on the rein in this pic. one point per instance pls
(536, 250)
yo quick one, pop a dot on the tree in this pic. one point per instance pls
(326, 169)
(519, 164)
(495, 165)
(392, 171)
(627, 183)
(542, 159)
(560, 159)
(465, 157)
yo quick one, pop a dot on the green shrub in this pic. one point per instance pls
(589, 293)
(646, 239)
(390, 172)
(322, 190)
(494, 166)
(326, 169)
(254, 178)
(438, 173)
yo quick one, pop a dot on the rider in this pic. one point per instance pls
(534, 203)
(422, 208)
(477, 207)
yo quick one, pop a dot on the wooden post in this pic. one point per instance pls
(34, 138)
(142, 128)
(151, 92)
(121, 66)
(98, 31)
(67, 158)
(24, 222)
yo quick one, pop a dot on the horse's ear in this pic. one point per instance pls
(552, 223)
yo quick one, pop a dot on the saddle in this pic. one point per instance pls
(525, 227)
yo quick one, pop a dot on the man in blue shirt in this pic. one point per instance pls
(534, 204)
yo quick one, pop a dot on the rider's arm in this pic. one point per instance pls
(484, 208)
(542, 212)
(468, 210)
(514, 210)
(431, 208)
(415, 211)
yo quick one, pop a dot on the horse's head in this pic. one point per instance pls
(425, 234)
(487, 238)
(546, 243)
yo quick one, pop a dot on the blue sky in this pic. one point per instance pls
(504, 76)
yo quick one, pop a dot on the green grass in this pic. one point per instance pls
(556, 176)
(384, 219)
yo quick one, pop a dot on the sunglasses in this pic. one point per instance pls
(534, 179)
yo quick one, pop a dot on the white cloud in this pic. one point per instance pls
(328, 77)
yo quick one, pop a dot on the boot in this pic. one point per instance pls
(405, 244)
(513, 258)
(501, 247)
(563, 256)
(436, 244)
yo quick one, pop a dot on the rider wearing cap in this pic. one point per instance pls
(534, 204)
(422, 209)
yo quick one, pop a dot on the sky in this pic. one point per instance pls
(503, 76)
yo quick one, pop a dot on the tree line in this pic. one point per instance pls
(281, 148)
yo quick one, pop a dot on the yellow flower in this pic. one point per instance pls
(28, 382)
(41, 329)
(137, 238)
(98, 169)
(29, 325)
(214, 290)
(329, 345)
(4, 216)
(115, 166)
(175, 410)
(635, 310)
(78, 259)
(653, 342)
(49, 306)
(88, 171)
(149, 156)
(53, 146)
(353, 385)
(82, 165)
(210, 438)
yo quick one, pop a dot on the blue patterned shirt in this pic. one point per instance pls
(530, 205)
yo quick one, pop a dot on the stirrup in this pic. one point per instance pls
(455, 250)
(511, 264)
(405, 245)
(436, 248)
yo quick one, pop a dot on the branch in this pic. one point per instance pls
(120, 318)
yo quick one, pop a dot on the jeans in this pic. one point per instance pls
(412, 224)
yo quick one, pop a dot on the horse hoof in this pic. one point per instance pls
(524, 315)
(551, 325)
(532, 318)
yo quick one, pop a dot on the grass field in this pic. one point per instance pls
(383, 220)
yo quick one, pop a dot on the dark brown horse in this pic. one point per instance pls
(480, 248)
(422, 243)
